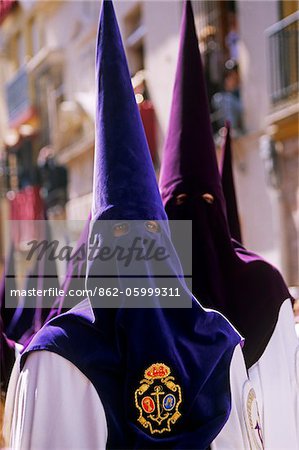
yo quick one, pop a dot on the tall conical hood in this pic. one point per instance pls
(121, 150)
(190, 181)
(190, 164)
(228, 186)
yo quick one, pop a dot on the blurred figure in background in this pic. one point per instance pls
(233, 37)
(53, 179)
(227, 104)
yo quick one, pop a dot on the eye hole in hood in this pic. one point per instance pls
(152, 226)
(121, 229)
(209, 198)
(180, 199)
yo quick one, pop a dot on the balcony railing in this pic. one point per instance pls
(283, 58)
(18, 98)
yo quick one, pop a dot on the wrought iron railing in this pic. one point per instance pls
(283, 61)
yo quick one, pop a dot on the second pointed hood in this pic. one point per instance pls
(228, 186)
(190, 182)
(189, 161)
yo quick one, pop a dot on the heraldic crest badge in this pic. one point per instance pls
(158, 399)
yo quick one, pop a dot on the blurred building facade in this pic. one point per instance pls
(250, 53)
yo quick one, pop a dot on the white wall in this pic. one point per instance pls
(161, 48)
(254, 18)
(162, 21)
(258, 209)
(259, 204)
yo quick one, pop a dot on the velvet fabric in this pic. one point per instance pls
(228, 186)
(114, 346)
(225, 276)
(121, 176)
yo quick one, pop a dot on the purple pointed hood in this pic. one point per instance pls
(121, 150)
(228, 186)
(225, 276)
(190, 184)
(184, 169)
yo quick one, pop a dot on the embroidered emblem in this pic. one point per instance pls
(158, 399)
(252, 418)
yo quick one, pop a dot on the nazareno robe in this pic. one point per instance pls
(248, 290)
(162, 376)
